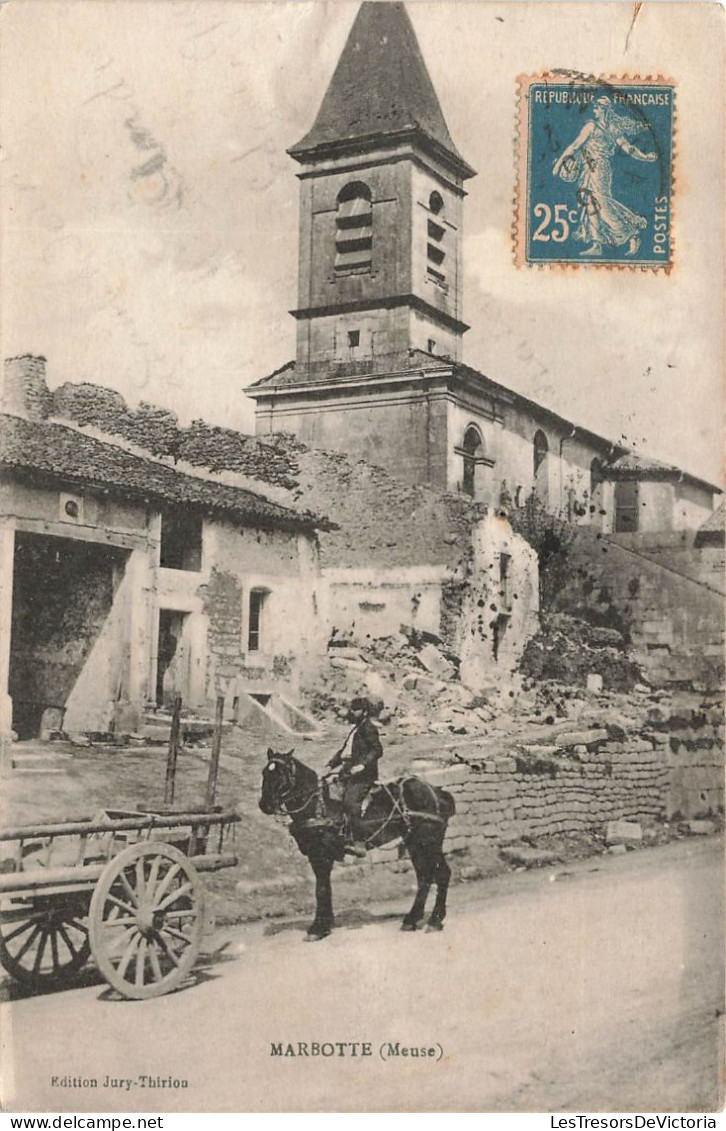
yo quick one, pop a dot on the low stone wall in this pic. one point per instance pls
(537, 792)
(670, 767)
(693, 737)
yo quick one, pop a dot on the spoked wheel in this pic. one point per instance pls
(146, 920)
(44, 943)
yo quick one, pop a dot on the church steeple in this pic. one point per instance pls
(380, 90)
(380, 210)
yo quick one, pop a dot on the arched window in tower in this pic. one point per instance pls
(354, 228)
(541, 467)
(435, 241)
(472, 452)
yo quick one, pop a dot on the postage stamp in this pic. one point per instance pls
(594, 171)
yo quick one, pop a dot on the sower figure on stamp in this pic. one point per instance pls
(588, 160)
(358, 761)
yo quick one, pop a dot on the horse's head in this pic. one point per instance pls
(279, 779)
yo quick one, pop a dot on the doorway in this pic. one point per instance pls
(173, 662)
(63, 594)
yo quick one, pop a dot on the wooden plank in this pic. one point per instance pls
(201, 817)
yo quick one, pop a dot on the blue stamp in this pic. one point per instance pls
(595, 171)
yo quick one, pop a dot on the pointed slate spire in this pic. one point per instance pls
(380, 90)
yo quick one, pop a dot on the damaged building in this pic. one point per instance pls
(127, 582)
(134, 574)
(144, 560)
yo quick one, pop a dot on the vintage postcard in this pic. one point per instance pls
(361, 557)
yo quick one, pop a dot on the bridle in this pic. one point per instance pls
(286, 788)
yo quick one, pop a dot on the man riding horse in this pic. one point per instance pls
(357, 766)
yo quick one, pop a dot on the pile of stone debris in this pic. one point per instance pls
(412, 674)
(570, 650)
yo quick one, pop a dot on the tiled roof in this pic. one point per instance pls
(631, 461)
(54, 451)
(380, 87)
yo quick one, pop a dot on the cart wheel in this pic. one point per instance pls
(146, 920)
(44, 944)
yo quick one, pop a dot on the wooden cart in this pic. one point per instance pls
(123, 888)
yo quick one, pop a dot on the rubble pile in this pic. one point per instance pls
(568, 650)
(412, 673)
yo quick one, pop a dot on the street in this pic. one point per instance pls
(594, 986)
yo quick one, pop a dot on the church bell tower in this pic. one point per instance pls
(380, 209)
(380, 275)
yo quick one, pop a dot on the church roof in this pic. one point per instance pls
(380, 89)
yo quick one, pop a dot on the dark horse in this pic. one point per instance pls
(408, 808)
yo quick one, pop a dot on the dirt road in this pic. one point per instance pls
(594, 987)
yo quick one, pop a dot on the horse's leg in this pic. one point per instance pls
(424, 862)
(322, 925)
(442, 875)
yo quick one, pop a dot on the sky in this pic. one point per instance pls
(150, 211)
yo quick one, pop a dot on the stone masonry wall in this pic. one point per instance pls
(674, 623)
(669, 768)
(511, 797)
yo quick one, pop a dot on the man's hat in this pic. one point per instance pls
(372, 707)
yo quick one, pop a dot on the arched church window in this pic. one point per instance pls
(473, 449)
(435, 245)
(354, 228)
(541, 471)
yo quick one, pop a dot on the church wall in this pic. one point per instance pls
(692, 506)
(563, 482)
(487, 480)
(406, 434)
(492, 592)
(655, 510)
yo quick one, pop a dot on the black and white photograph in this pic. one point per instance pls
(362, 557)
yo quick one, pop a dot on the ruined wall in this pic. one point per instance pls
(674, 623)
(372, 603)
(500, 604)
(692, 734)
(678, 552)
(669, 768)
(292, 628)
